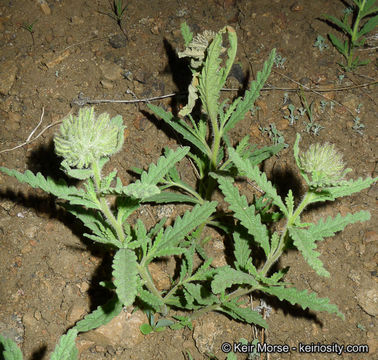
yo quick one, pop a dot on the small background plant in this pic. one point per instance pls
(355, 29)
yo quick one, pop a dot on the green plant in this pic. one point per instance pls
(87, 141)
(65, 350)
(118, 12)
(320, 43)
(153, 326)
(30, 29)
(291, 117)
(354, 31)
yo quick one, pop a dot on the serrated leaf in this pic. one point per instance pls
(180, 127)
(304, 299)
(242, 251)
(186, 33)
(200, 294)
(101, 316)
(226, 277)
(289, 200)
(369, 26)
(139, 190)
(166, 197)
(150, 299)
(184, 225)
(305, 243)
(125, 272)
(168, 252)
(343, 26)
(245, 213)
(9, 349)
(349, 187)
(252, 94)
(66, 349)
(253, 173)
(244, 314)
(80, 174)
(57, 188)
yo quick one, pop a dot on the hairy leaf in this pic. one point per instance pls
(226, 277)
(305, 243)
(101, 316)
(125, 274)
(186, 33)
(10, 350)
(66, 349)
(332, 225)
(184, 225)
(201, 294)
(253, 173)
(242, 251)
(150, 299)
(170, 197)
(304, 299)
(244, 314)
(245, 213)
(252, 94)
(181, 127)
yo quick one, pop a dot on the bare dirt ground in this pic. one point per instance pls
(49, 273)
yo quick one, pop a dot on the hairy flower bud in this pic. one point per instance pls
(324, 164)
(85, 138)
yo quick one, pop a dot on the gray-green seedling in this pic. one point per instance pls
(30, 29)
(355, 31)
(291, 117)
(86, 142)
(320, 43)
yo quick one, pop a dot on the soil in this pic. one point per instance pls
(50, 272)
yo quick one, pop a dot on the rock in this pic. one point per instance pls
(111, 71)
(367, 296)
(7, 76)
(76, 312)
(118, 41)
(204, 335)
(160, 277)
(106, 84)
(122, 331)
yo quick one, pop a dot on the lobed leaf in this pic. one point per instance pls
(253, 173)
(9, 349)
(201, 294)
(252, 94)
(101, 316)
(150, 299)
(66, 349)
(226, 277)
(170, 197)
(125, 272)
(184, 225)
(245, 213)
(305, 243)
(242, 251)
(244, 314)
(304, 299)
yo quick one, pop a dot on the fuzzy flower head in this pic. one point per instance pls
(324, 164)
(85, 138)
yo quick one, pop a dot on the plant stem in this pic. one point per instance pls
(354, 35)
(105, 206)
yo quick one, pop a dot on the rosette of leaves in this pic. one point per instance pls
(86, 138)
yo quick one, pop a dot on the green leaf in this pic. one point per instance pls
(343, 26)
(169, 197)
(57, 188)
(339, 45)
(181, 127)
(66, 349)
(184, 225)
(245, 213)
(101, 316)
(139, 190)
(252, 94)
(146, 329)
(289, 200)
(10, 350)
(150, 299)
(369, 26)
(201, 294)
(244, 314)
(226, 277)
(305, 243)
(186, 33)
(125, 207)
(125, 272)
(304, 299)
(253, 173)
(348, 188)
(330, 226)
(81, 174)
(242, 251)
